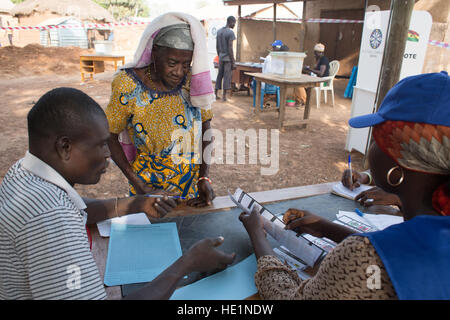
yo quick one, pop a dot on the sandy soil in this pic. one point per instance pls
(306, 156)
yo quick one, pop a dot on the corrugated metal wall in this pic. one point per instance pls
(76, 37)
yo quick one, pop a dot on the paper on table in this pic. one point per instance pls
(234, 283)
(104, 226)
(340, 190)
(381, 221)
(139, 253)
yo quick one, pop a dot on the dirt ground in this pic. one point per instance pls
(306, 156)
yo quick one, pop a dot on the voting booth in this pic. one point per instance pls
(373, 41)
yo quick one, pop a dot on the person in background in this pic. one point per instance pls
(321, 69)
(224, 47)
(411, 158)
(43, 219)
(162, 103)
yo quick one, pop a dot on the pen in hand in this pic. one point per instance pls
(351, 174)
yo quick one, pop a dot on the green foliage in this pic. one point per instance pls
(17, 1)
(121, 9)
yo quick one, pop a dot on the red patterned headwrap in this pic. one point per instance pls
(419, 147)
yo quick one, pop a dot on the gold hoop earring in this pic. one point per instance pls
(388, 177)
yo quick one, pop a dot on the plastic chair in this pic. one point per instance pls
(265, 89)
(334, 68)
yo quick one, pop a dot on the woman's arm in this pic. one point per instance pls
(121, 161)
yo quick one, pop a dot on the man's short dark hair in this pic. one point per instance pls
(231, 19)
(61, 111)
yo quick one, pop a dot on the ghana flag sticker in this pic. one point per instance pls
(413, 36)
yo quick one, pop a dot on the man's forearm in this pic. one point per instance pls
(99, 210)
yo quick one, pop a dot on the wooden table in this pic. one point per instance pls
(305, 81)
(240, 79)
(100, 245)
(95, 63)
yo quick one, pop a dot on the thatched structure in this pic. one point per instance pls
(6, 6)
(85, 10)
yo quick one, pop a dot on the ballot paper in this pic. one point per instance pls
(234, 283)
(296, 244)
(104, 227)
(379, 221)
(340, 190)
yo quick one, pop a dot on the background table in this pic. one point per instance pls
(240, 80)
(95, 63)
(303, 80)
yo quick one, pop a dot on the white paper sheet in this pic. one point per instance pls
(381, 221)
(104, 227)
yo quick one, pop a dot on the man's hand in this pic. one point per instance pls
(377, 196)
(205, 197)
(356, 179)
(204, 256)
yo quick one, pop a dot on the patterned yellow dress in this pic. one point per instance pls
(165, 129)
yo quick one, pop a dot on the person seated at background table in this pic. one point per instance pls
(43, 219)
(372, 197)
(164, 106)
(321, 69)
(410, 260)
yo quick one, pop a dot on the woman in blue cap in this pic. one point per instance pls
(411, 158)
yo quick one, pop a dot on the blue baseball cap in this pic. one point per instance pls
(424, 98)
(277, 43)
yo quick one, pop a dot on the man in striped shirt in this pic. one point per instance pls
(44, 248)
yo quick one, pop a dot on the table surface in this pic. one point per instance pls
(316, 198)
(98, 55)
(301, 80)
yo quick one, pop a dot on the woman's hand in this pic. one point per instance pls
(155, 207)
(377, 196)
(356, 180)
(205, 197)
(253, 223)
(302, 221)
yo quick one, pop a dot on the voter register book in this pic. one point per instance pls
(301, 251)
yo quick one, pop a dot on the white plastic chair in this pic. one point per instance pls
(334, 68)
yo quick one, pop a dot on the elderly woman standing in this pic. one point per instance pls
(160, 109)
(410, 260)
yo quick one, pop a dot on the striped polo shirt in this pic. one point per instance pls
(44, 248)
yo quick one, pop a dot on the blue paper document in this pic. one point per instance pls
(139, 253)
(234, 283)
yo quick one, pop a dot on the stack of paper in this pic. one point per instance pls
(379, 221)
(139, 253)
(104, 227)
